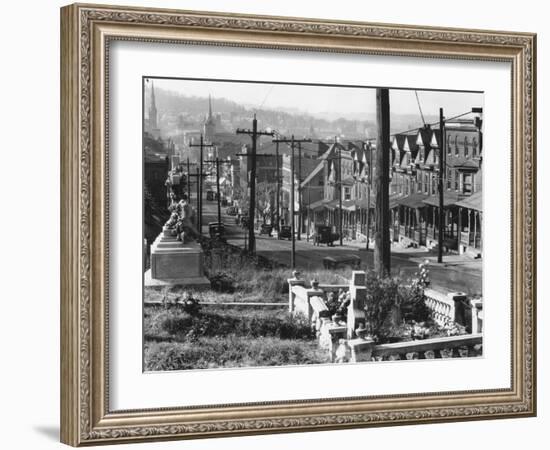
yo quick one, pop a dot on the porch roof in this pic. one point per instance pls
(318, 205)
(450, 198)
(474, 201)
(413, 200)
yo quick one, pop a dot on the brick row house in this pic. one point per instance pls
(345, 168)
(414, 188)
(342, 171)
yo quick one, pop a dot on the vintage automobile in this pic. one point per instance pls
(340, 262)
(285, 232)
(216, 229)
(325, 235)
(266, 229)
(231, 211)
(210, 195)
(244, 221)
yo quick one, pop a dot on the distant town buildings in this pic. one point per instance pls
(332, 176)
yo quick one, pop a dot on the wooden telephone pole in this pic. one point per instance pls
(254, 133)
(382, 255)
(441, 187)
(292, 143)
(278, 189)
(369, 184)
(199, 177)
(217, 161)
(202, 146)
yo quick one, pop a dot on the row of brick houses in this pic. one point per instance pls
(344, 169)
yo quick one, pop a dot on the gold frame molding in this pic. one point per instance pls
(86, 31)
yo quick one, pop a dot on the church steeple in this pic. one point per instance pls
(210, 122)
(153, 109)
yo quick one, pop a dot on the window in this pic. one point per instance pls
(457, 180)
(347, 193)
(474, 147)
(426, 184)
(467, 183)
(457, 153)
(466, 150)
(449, 180)
(449, 149)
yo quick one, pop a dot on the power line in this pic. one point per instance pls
(419, 107)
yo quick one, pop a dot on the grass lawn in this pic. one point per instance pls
(226, 337)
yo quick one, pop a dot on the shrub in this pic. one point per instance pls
(185, 326)
(230, 351)
(222, 282)
(389, 304)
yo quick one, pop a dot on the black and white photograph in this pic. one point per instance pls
(295, 224)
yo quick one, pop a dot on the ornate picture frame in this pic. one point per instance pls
(86, 34)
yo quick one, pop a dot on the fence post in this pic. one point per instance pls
(477, 315)
(314, 291)
(294, 281)
(461, 313)
(356, 307)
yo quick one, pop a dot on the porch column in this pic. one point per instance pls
(469, 225)
(475, 228)
(433, 221)
(425, 225)
(459, 226)
(480, 215)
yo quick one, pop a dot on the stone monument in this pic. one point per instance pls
(175, 258)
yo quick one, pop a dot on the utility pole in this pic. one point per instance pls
(188, 179)
(441, 186)
(202, 146)
(382, 256)
(369, 182)
(217, 161)
(292, 142)
(254, 133)
(300, 218)
(340, 190)
(199, 176)
(278, 187)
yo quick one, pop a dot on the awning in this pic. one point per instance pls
(413, 200)
(474, 201)
(449, 199)
(332, 204)
(349, 205)
(318, 205)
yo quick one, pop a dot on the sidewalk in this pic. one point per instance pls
(421, 255)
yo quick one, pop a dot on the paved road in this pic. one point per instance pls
(449, 277)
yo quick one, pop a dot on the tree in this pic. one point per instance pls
(265, 196)
(241, 196)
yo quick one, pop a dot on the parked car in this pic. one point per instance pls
(266, 229)
(325, 235)
(340, 262)
(244, 221)
(231, 211)
(285, 232)
(216, 229)
(210, 195)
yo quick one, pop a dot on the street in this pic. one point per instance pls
(454, 274)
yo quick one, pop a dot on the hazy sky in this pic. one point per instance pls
(315, 100)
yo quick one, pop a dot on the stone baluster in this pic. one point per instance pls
(294, 281)
(356, 307)
(312, 292)
(477, 315)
